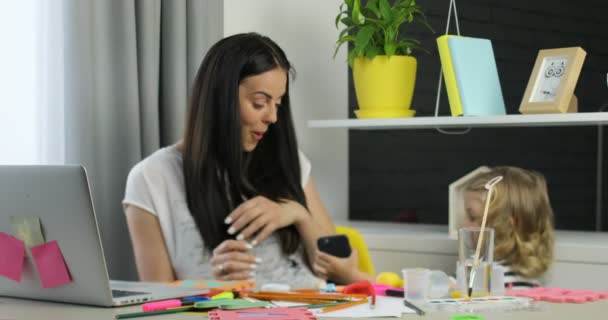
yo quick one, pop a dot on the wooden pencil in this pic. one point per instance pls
(344, 305)
(323, 296)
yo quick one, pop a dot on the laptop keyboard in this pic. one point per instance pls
(122, 293)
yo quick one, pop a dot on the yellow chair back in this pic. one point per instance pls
(357, 242)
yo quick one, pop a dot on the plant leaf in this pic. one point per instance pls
(340, 16)
(351, 58)
(348, 38)
(371, 52)
(390, 48)
(341, 42)
(378, 27)
(372, 5)
(363, 37)
(345, 31)
(426, 23)
(409, 40)
(356, 15)
(348, 21)
(385, 9)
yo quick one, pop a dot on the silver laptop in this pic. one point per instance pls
(60, 197)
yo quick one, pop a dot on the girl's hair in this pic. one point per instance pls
(219, 175)
(522, 218)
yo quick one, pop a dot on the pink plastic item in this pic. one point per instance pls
(559, 295)
(264, 313)
(381, 288)
(161, 305)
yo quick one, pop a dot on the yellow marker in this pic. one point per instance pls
(223, 295)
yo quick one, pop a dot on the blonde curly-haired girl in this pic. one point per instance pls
(521, 215)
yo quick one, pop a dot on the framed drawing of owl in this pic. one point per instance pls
(551, 85)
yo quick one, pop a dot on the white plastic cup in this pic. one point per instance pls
(439, 284)
(416, 283)
(497, 284)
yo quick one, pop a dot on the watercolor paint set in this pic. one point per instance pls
(491, 303)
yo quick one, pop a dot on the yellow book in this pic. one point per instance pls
(449, 76)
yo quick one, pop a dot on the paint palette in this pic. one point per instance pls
(499, 303)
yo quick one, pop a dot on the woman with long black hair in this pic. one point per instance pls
(234, 198)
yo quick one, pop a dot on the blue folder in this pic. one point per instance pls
(476, 76)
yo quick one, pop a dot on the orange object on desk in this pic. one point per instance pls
(362, 287)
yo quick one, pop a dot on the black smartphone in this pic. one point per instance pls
(337, 245)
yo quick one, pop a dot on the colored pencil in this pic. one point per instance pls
(323, 296)
(288, 298)
(344, 305)
(322, 305)
(153, 313)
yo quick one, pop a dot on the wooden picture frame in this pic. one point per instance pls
(551, 85)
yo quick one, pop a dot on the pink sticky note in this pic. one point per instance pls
(50, 264)
(11, 257)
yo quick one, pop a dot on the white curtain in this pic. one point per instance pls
(115, 85)
(18, 74)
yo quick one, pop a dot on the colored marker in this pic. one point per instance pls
(223, 295)
(173, 303)
(395, 293)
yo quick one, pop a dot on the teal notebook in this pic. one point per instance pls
(476, 76)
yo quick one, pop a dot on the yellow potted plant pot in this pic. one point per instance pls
(385, 83)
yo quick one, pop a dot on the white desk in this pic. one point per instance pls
(18, 309)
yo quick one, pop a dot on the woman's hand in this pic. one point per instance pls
(340, 270)
(257, 218)
(231, 260)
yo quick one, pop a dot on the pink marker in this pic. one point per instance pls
(161, 305)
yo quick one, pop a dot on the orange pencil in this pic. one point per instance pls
(282, 295)
(309, 301)
(324, 296)
(344, 306)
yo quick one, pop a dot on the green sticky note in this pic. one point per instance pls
(28, 230)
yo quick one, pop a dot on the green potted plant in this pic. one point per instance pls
(383, 69)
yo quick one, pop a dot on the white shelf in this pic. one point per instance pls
(512, 120)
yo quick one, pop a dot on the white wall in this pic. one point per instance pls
(306, 32)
